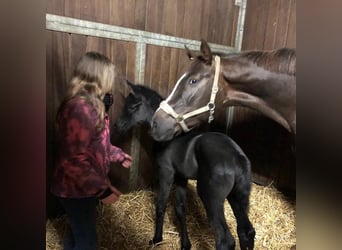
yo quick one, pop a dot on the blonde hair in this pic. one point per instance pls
(93, 77)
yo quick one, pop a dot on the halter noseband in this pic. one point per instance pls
(180, 119)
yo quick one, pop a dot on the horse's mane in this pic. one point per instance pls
(285, 58)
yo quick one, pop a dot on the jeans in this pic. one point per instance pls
(82, 219)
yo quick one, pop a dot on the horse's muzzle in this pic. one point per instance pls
(163, 126)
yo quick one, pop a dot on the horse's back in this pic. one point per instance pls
(218, 154)
(213, 152)
(216, 144)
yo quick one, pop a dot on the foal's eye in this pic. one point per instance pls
(133, 107)
(192, 81)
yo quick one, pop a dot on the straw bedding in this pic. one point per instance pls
(129, 223)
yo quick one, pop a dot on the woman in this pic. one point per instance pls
(81, 178)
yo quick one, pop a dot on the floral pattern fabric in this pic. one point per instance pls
(84, 153)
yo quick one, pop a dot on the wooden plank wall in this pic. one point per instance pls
(213, 20)
(269, 24)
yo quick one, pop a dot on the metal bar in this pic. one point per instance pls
(229, 118)
(135, 153)
(140, 56)
(238, 44)
(140, 62)
(241, 23)
(82, 27)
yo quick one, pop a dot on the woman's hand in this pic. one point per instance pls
(127, 162)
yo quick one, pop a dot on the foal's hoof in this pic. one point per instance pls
(247, 242)
(186, 245)
(186, 248)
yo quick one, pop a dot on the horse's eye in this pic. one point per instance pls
(192, 81)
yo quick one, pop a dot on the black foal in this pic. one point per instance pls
(218, 164)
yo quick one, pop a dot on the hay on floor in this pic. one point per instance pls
(129, 223)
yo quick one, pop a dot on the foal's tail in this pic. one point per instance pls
(243, 181)
(245, 166)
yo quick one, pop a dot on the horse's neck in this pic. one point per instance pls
(270, 93)
(248, 73)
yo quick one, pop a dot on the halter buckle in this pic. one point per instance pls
(211, 106)
(211, 116)
(179, 118)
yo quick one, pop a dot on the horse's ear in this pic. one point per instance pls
(189, 53)
(206, 54)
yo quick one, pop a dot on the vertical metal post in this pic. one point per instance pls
(135, 144)
(229, 118)
(238, 44)
(241, 23)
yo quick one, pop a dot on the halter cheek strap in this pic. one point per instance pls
(180, 119)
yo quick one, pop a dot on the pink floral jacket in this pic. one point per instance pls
(84, 153)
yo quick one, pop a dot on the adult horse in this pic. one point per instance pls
(262, 80)
(221, 168)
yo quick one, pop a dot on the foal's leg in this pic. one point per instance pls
(181, 186)
(239, 201)
(213, 197)
(166, 176)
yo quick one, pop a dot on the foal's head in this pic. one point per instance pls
(191, 92)
(139, 107)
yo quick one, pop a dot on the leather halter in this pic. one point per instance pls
(180, 119)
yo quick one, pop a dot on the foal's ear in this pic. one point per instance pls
(206, 54)
(132, 86)
(189, 53)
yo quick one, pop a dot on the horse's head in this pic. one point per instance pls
(193, 98)
(137, 108)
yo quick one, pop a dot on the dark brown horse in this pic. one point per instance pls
(262, 80)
